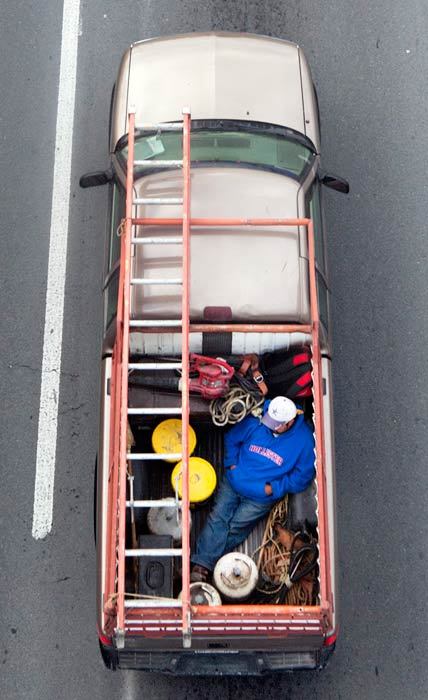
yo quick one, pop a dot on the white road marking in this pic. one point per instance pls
(52, 343)
(131, 689)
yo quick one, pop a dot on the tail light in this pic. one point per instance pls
(331, 639)
(107, 641)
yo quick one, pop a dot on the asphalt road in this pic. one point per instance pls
(369, 62)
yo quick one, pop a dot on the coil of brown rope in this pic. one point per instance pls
(286, 563)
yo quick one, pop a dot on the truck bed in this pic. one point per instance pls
(152, 480)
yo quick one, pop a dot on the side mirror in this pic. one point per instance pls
(102, 177)
(335, 183)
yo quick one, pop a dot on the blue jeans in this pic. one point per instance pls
(229, 523)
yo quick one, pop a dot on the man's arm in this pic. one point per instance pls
(235, 437)
(299, 478)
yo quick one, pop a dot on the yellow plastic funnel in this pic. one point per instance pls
(166, 438)
(202, 479)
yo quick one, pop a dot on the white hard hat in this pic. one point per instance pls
(281, 410)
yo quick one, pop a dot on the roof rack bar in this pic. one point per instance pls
(167, 552)
(317, 391)
(140, 240)
(185, 400)
(155, 365)
(124, 279)
(158, 200)
(158, 163)
(153, 456)
(153, 603)
(112, 505)
(233, 328)
(161, 503)
(161, 126)
(158, 221)
(154, 411)
(249, 328)
(148, 280)
(146, 323)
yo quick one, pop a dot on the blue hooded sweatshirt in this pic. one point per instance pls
(284, 461)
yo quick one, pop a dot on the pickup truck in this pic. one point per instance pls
(215, 247)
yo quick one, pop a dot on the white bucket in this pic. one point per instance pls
(235, 576)
(203, 594)
(166, 521)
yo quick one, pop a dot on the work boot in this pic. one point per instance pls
(199, 574)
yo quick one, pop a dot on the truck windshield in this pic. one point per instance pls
(260, 146)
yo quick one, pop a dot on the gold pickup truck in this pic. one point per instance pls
(221, 131)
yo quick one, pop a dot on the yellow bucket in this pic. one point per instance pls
(202, 479)
(166, 438)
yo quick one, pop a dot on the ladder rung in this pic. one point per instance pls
(147, 280)
(153, 552)
(158, 200)
(156, 603)
(147, 324)
(153, 455)
(161, 241)
(165, 126)
(155, 365)
(161, 503)
(154, 411)
(159, 163)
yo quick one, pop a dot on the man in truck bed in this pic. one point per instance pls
(264, 461)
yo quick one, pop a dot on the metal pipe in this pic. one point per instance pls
(113, 473)
(153, 552)
(142, 240)
(185, 310)
(126, 264)
(154, 365)
(158, 163)
(148, 280)
(162, 603)
(160, 221)
(284, 612)
(249, 328)
(153, 455)
(319, 427)
(158, 200)
(160, 503)
(167, 126)
(225, 328)
(146, 323)
(153, 411)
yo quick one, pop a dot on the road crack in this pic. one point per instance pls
(38, 370)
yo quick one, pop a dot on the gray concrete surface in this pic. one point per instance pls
(369, 62)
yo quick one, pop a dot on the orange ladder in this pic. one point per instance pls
(119, 454)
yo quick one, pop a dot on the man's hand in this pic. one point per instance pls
(268, 489)
(232, 466)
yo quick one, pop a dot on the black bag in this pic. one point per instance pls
(288, 373)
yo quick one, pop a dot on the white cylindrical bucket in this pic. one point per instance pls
(166, 521)
(235, 576)
(203, 594)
